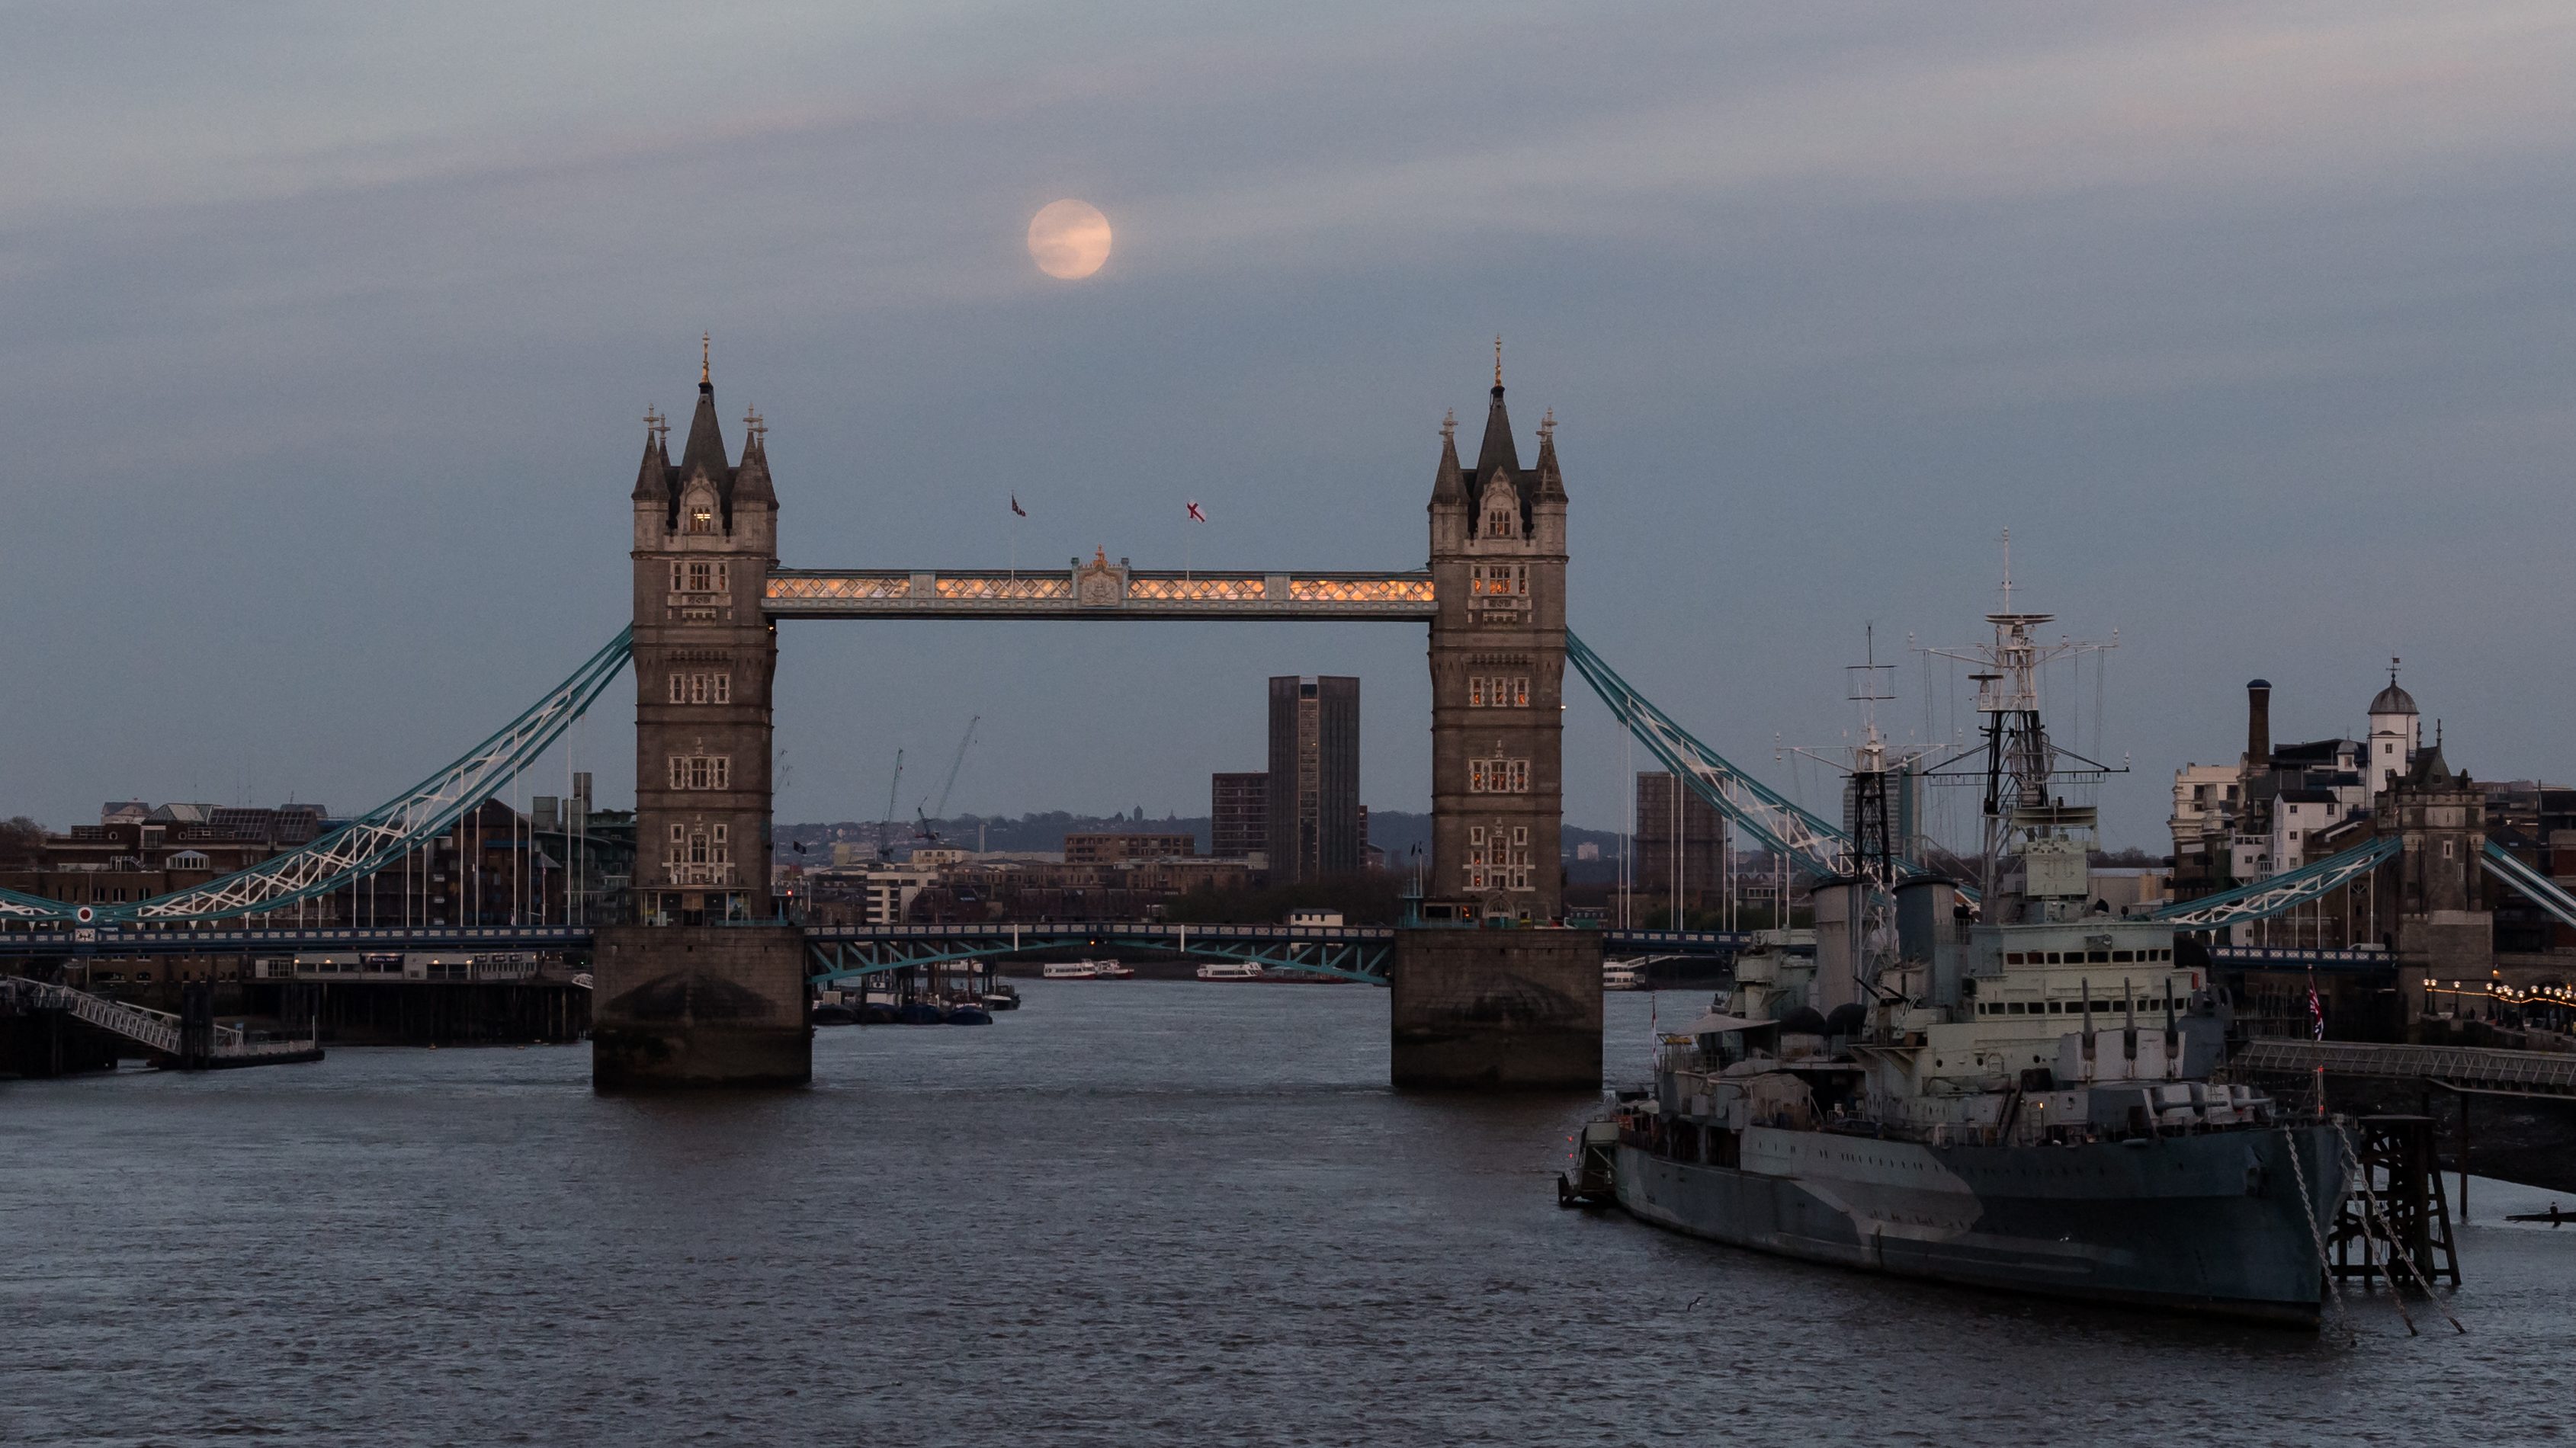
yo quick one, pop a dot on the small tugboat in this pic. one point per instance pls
(2022, 1103)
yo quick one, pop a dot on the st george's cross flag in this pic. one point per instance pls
(1195, 515)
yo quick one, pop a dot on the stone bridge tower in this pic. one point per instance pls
(1498, 674)
(706, 536)
(1510, 1008)
(690, 988)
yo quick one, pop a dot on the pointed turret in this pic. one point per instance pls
(751, 479)
(705, 450)
(653, 477)
(1551, 481)
(1498, 450)
(1447, 485)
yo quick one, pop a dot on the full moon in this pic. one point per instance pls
(1069, 239)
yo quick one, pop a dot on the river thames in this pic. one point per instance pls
(1134, 1212)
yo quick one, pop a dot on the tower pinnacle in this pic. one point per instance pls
(706, 362)
(1498, 362)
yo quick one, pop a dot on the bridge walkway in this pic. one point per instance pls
(2459, 1068)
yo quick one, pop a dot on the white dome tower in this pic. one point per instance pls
(2396, 732)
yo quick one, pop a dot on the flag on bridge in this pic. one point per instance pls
(1195, 515)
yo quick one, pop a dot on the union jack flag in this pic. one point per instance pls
(1195, 515)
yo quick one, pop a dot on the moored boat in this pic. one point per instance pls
(2025, 1101)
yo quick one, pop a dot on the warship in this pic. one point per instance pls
(1998, 1083)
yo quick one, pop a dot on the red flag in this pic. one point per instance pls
(1015, 506)
(1195, 515)
(2316, 1008)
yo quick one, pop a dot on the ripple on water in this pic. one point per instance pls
(1134, 1212)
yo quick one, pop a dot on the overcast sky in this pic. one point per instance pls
(328, 331)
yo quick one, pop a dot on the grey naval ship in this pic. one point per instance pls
(2016, 1097)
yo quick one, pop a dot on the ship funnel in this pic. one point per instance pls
(1932, 930)
(1841, 913)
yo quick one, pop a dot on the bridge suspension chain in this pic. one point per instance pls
(379, 837)
(2532, 885)
(2280, 893)
(1765, 813)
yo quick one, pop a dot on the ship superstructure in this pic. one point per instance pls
(2012, 1089)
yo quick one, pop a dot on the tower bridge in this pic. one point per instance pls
(695, 987)
(706, 981)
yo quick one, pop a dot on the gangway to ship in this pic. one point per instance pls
(162, 1034)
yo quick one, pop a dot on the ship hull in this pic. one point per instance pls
(2218, 1224)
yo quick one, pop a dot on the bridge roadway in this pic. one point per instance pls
(839, 952)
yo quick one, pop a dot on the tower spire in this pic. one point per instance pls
(706, 362)
(1498, 362)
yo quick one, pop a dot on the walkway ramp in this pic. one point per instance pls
(156, 1031)
(2468, 1068)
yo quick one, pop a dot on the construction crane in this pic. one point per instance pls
(924, 831)
(885, 831)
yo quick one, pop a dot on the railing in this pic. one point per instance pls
(2471, 1067)
(152, 1028)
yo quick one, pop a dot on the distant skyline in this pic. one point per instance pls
(331, 331)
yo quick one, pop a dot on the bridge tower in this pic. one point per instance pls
(1509, 1003)
(691, 988)
(1498, 674)
(2429, 899)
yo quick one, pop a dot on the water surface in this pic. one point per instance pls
(1134, 1212)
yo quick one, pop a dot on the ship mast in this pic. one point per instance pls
(2025, 811)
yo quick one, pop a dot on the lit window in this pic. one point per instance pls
(1476, 692)
(701, 578)
(702, 519)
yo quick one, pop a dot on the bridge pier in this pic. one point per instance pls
(1513, 1010)
(702, 1005)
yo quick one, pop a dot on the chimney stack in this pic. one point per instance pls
(2258, 725)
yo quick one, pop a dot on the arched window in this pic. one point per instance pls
(702, 518)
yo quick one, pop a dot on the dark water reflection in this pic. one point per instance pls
(1134, 1213)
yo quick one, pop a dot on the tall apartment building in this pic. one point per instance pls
(1238, 814)
(1314, 781)
(1678, 841)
